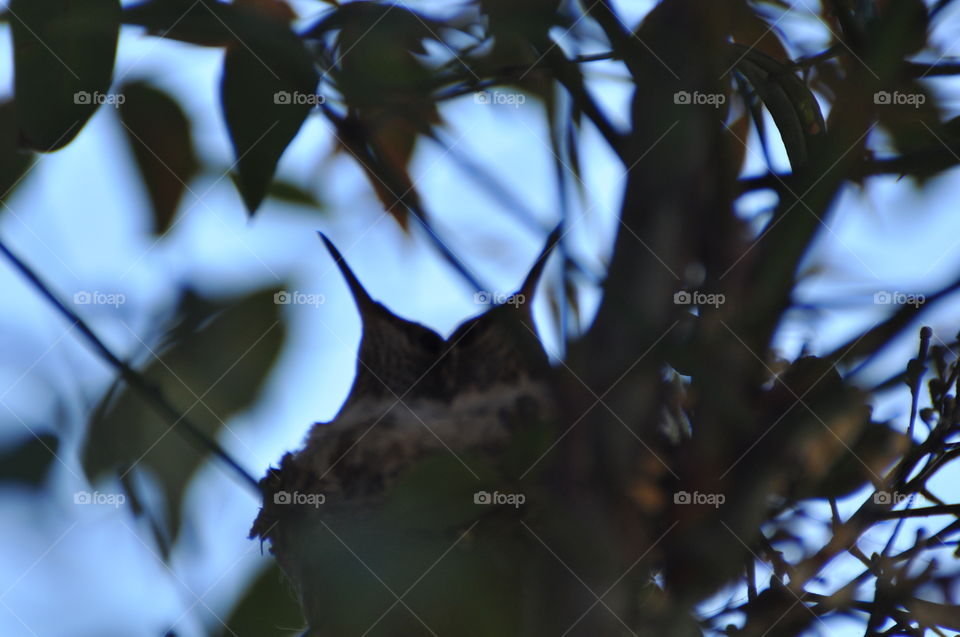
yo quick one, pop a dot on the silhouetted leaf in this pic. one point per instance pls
(211, 373)
(908, 113)
(14, 162)
(387, 89)
(268, 82)
(792, 105)
(203, 22)
(514, 25)
(159, 133)
(28, 461)
(288, 192)
(267, 90)
(63, 63)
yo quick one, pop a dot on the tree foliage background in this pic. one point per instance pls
(752, 199)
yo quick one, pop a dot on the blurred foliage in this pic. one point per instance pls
(15, 162)
(63, 66)
(28, 460)
(160, 136)
(674, 392)
(212, 366)
(264, 81)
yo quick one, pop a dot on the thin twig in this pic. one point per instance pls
(151, 392)
(917, 373)
(573, 83)
(922, 512)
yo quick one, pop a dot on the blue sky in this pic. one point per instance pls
(81, 218)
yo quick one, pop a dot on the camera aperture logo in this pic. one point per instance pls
(98, 98)
(83, 297)
(297, 498)
(697, 98)
(696, 297)
(495, 298)
(884, 297)
(297, 98)
(115, 500)
(886, 98)
(283, 297)
(889, 498)
(500, 98)
(513, 499)
(712, 499)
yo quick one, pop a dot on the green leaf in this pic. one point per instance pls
(206, 22)
(387, 88)
(202, 22)
(286, 191)
(268, 608)
(268, 85)
(28, 461)
(212, 372)
(14, 162)
(792, 105)
(63, 53)
(160, 136)
(289, 192)
(267, 90)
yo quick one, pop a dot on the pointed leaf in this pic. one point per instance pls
(63, 53)
(266, 64)
(267, 90)
(792, 105)
(202, 22)
(160, 136)
(287, 192)
(14, 162)
(387, 88)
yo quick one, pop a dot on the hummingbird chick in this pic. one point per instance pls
(414, 394)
